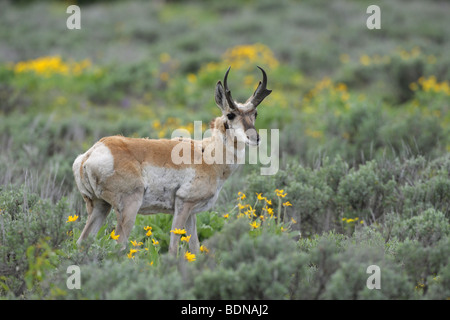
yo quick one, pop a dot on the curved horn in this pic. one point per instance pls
(230, 100)
(261, 91)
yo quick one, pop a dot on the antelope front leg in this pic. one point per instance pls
(182, 212)
(191, 229)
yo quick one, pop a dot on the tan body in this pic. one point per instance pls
(138, 175)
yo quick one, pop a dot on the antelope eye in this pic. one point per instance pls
(231, 116)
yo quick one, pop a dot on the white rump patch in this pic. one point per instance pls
(99, 166)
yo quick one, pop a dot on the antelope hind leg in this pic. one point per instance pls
(98, 210)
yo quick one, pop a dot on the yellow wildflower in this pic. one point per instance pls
(241, 195)
(192, 78)
(136, 244)
(156, 124)
(287, 204)
(204, 249)
(240, 206)
(186, 238)
(155, 242)
(251, 211)
(164, 57)
(280, 193)
(189, 256)
(72, 218)
(226, 215)
(269, 202)
(114, 236)
(178, 231)
(149, 231)
(365, 60)
(130, 254)
(255, 225)
(269, 210)
(260, 197)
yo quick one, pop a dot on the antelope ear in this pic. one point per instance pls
(219, 95)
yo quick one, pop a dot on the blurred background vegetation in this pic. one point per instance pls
(364, 134)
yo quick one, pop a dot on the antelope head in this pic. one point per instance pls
(239, 118)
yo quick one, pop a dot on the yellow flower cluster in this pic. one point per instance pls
(72, 218)
(247, 55)
(350, 221)
(51, 65)
(114, 236)
(165, 129)
(430, 84)
(377, 59)
(189, 256)
(280, 193)
(185, 239)
(149, 231)
(338, 90)
(242, 57)
(130, 255)
(136, 244)
(178, 231)
(317, 134)
(267, 212)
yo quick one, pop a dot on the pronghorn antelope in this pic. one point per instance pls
(135, 175)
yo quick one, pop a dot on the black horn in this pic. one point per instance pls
(261, 91)
(230, 100)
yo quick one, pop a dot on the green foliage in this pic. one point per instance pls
(271, 266)
(428, 227)
(31, 229)
(324, 196)
(426, 266)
